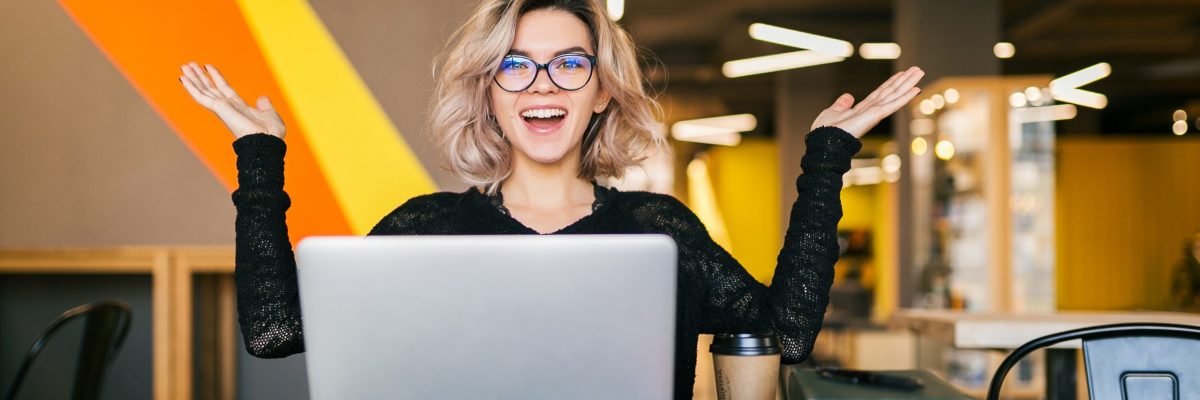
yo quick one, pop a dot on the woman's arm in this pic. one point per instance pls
(268, 299)
(793, 307)
(265, 272)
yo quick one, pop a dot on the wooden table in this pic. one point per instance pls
(172, 270)
(1005, 332)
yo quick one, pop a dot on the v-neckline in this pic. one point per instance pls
(599, 204)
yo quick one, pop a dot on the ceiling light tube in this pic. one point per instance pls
(879, 51)
(776, 62)
(801, 40)
(1045, 113)
(1081, 97)
(736, 122)
(1082, 77)
(705, 134)
(616, 9)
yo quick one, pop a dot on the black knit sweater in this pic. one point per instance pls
(715, 292)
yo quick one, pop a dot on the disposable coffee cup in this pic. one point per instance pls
(746, 366)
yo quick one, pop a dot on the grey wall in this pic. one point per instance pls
(84, 161)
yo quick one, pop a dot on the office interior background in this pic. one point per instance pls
(1052, 162)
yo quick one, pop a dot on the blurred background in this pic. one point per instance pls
(1051, 163)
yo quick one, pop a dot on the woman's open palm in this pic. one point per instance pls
(217, 96)
(859, 118)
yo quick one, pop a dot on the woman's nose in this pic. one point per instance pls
(542, 82)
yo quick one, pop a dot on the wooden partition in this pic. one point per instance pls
(174, 272)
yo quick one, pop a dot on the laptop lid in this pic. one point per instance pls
(478, 317)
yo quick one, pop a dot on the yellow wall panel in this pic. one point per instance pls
(747, 190)
(1124, 209)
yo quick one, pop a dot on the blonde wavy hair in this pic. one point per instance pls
(461, 120)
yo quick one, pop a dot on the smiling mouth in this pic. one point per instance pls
(544, 120)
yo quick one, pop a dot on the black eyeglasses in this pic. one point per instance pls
(568, 72)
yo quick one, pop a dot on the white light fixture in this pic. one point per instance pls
(927, 107)
(801, 40)
(891, 168)
(616, 9)
(890, 163)
(1033, 94)
(723, 130)
(879, 51)
(736, 122)
(944, 150)
(776, 62)
(1066, 88)
(862, 176)
(1045, 113)
(951, 96)
(919, 146)
(1083, 97)
(1082, 77)
(1179, 127)
(1004, 50)
(938, 101)
(1017, 99)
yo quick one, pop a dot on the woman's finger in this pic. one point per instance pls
(196, 95)
(905, 86)
(875, 94)
(190, 75)
(208, 85)
(895, 104)
(890, 89)
(221, 84)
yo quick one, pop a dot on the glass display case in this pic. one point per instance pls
(983, 193)
(982, 198)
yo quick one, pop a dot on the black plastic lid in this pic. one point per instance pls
(745, 344)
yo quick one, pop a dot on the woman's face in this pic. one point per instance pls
(545, 123)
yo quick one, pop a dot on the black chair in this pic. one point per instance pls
(105, 324)
(1127, 361)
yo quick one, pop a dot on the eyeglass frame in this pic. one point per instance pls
(546, 66)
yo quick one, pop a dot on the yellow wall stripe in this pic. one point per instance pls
(746, 182)
(369, 166)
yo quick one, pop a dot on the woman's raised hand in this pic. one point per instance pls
(216, 95)
(885, 100)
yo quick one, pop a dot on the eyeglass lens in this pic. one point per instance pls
(568, 72)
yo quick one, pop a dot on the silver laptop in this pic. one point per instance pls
(489, 317)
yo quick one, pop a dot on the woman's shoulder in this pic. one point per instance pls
(656, 211)
(642, 200)
(420, 212)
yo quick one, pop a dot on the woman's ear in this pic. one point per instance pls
(602, 99)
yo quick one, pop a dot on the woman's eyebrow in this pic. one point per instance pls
(569, 50)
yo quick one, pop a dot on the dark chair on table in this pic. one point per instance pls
(105, 325)
(1127, 361)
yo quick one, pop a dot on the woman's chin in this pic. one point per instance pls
(545, 152)
(549, 157)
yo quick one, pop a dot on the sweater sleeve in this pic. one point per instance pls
(793, 306)
(268, 299)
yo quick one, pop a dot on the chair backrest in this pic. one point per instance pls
(106, 323)
(1127, 361)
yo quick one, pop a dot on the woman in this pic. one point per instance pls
(534, 100)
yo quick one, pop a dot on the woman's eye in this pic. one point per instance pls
(570, 65)
(513, 66)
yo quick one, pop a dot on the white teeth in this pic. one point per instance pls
(544, 113)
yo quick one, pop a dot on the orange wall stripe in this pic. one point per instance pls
(148, 40)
